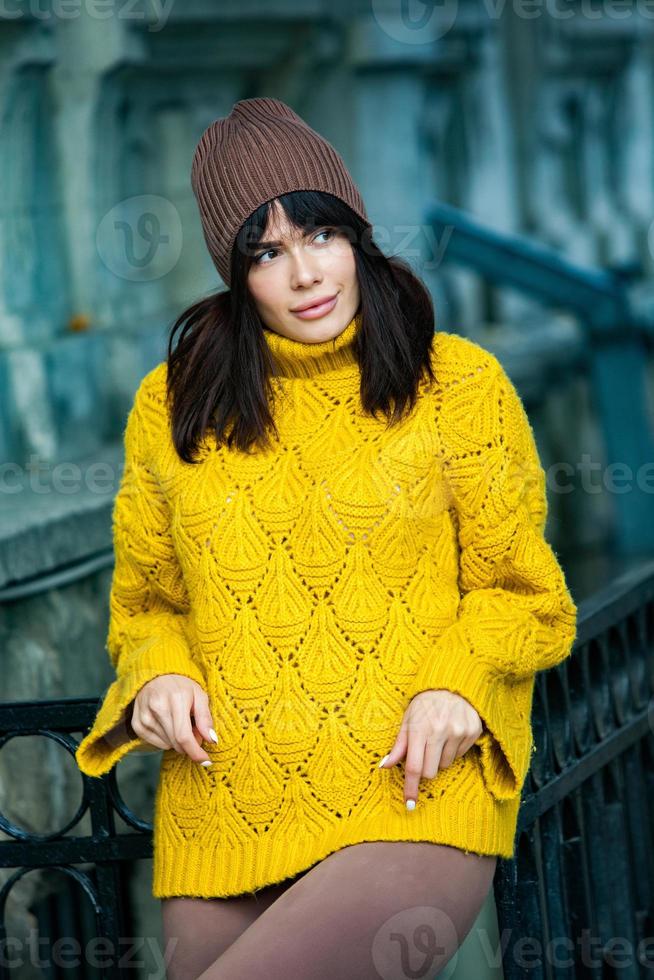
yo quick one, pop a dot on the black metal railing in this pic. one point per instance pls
(105, 850)
(577, 900)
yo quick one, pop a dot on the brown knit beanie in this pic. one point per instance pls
(261, 150)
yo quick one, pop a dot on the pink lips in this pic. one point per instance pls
(317, 311)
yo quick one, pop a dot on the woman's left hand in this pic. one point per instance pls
(437, 727)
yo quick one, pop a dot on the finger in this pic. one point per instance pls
(155, 715)
(449, 752)
(181, 723)
(147, 727)
(202, 715)
(162, 717)
(152, 739)
(198, 736)
(466, 744)
(398, 750)
(434, 751)
(415, 757)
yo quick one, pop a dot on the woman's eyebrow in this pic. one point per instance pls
(275, 244)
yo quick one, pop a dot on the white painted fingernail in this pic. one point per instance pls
(207, 762)
(410, 804)
(213, 735)
(383, 761)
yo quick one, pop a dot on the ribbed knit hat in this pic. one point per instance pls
(261, 150)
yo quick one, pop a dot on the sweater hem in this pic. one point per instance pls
(247, 866)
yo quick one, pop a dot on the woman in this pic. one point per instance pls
(331, 593)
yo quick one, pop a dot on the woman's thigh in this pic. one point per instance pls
(196, 931)
(382, 909)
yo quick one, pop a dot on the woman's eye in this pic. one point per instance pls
(272, 251)
(258, 258)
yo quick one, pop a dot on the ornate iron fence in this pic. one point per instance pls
(107, 851)
(578, 898)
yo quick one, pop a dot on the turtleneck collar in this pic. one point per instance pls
(297, 359)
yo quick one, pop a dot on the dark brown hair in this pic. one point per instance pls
(219, 371)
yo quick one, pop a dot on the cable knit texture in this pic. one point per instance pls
(313, 589)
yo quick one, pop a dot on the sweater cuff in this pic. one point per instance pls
(96, 754)
(502, 701)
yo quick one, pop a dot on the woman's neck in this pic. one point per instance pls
(298, 359)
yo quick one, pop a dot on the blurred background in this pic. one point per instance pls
(506, 150)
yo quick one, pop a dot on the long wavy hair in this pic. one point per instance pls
(220, 369)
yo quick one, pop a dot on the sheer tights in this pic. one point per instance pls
(383, 909)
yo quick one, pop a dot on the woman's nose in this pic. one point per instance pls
(304, 270)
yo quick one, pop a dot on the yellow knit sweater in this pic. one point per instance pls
(312, 590)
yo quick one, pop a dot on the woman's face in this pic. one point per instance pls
(301, 269)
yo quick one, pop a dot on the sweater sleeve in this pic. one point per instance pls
(147, 602)
(516, 615)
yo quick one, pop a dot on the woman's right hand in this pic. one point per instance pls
(161, 714)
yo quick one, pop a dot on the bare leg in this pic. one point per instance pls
(196, 931)
(382, 909)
